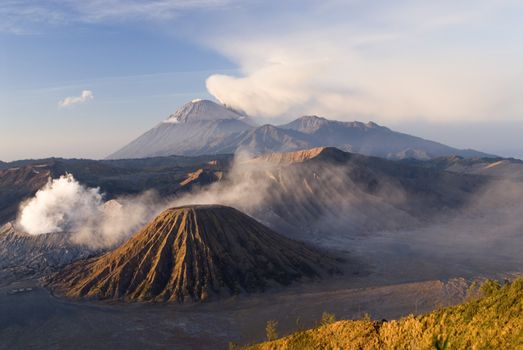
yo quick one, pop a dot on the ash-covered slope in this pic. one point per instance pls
(324, 194)
(22, 253)
(263, 139)
(195, 129)
(497, 168)
(193, 252)
(204, 127)
(205, 110)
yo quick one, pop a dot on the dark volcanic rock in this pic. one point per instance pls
(19, 183)
(27, 254)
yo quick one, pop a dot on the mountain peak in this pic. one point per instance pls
(311, 123)
(312, 118)
(193, 252)
(307, 124)
(303, 155)
(201, 110)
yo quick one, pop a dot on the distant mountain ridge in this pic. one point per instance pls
(19, 180)
(504, 168)
(205, 127)
(321, 193)
(372, 139)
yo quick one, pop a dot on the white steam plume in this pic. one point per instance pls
(58, 205)
(65, 205)
(245, 187)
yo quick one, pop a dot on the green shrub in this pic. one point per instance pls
(441, 343)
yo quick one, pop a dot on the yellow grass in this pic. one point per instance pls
(492, 320)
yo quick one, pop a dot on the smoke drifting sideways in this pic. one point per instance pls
(323, 206)
(245, 188)
(304, 201)
(65, 205)
(315, 202)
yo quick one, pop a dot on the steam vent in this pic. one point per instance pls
(193, 253)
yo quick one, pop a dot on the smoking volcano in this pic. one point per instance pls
(193, 253)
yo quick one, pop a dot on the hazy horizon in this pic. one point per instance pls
(477, 136)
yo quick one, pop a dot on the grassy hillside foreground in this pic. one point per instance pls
(492, 318)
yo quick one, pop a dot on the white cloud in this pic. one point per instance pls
(382, 60)
(439, 61)
(85, 96)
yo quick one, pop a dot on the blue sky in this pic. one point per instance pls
(450, 71)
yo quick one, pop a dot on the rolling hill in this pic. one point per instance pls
(490, 321)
